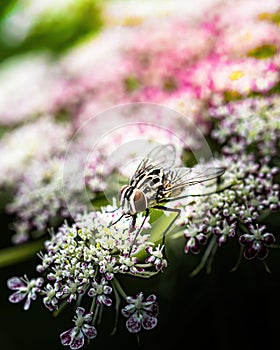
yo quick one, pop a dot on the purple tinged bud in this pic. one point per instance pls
(222, 240)
(262, 252)
(195, 248)
(216, 230)
(246, 238)
(250, 252)
(268, 238)
(202, 239)
(273, 207)
(274, 170)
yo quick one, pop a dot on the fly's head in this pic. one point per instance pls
(132, 200)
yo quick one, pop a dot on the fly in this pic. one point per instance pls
(156, 181)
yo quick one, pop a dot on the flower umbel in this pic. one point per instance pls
(75, 337)
(82, 263)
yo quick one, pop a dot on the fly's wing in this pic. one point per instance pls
(162, 156)
(183, 177)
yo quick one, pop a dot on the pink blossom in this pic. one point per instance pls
(27, 84)
(242, 40)
(219, 75)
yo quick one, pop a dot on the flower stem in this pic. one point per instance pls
(95, 313)
(211, 259)
(117, 308)
(118, 287)
(238, 261)
(205, 257)
(61, 307)
(267, 269)
(92, 304)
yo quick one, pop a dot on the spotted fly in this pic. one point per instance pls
(156, 182)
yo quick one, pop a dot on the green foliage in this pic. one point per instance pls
(51, 29)
(263, 52)
(271, 17)
(131, 84)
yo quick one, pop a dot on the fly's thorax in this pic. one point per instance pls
(132, 200)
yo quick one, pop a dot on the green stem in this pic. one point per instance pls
(117, 308)
(238, 261)
(13, 255)
(145, 274)
(116, 284)
(95, 313)
(61, 307)
(267, 269)
(92, 304)
(80, 297)
(144, 265)
(100, 313)
(211, 259)
(205, 257)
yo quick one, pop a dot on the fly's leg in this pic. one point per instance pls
(172, 210)
(132, 228)
(114, 222)
(112, 211)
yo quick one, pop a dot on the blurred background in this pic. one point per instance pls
(65, 59)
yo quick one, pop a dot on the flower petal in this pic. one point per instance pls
(78, 341)
(106, 300)
(246, 238)
(17, 297)
(187, 248)
(89, 331)
(67, 336)
(130, 299)
(91, 292)
(128, 310)
(27, 302)
(15, 283)
(150, 259)
(39, 282)
(107, 290)
(87, 317)
(154, 309)
(250, 252)
(133, 324)
(149, 250)
(268, 238)
(149, 322)
(80, 311)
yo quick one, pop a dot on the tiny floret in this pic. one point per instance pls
(101, 291)
(141, 312)
(255, 243)
(156, 257)
(75, 337)
(24, 289)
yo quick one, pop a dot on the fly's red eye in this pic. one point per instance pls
(121, 192)
(140, 201)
